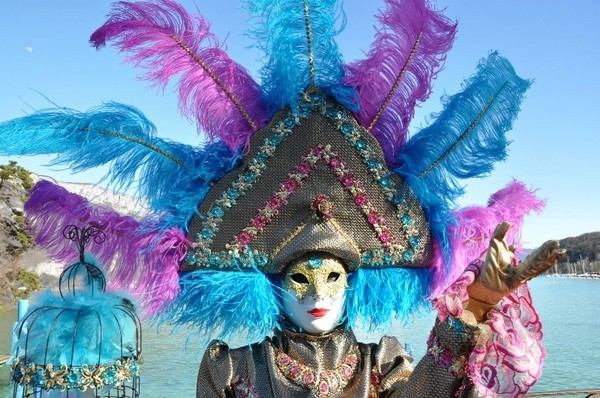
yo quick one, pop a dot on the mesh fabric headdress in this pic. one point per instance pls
(325, 161)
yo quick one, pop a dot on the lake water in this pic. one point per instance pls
(569, 309)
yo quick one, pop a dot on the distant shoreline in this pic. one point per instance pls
(578, 276)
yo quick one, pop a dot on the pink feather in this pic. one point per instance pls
(408, 52)
(136, 255)
(163, 38)
(476, 224)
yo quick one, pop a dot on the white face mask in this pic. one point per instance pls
(315, 293)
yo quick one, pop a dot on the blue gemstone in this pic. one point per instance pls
(346, 128)
(397, 199)
(215, 260)
(207, 233)
(373, 163)
(17, 375)
(289, 122)
(217, 212)
(261, 260)
(191, 259)
(385, 181)
(459, 327)
(109, 376)
(37, 378)
(367, 258)
(406, 220)
(315, 262)
(408, 255)
(261, 157)
(249, 178)
(275, 140)
(361, 144)
(73, 377)
(233, 194)
(414, 241)
(387, 258)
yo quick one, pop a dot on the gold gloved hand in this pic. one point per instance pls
(498, 278)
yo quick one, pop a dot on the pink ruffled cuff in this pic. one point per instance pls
(508, 362)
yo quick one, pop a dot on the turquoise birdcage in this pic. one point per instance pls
(81, 342)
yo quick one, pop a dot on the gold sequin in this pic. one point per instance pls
(328, 279)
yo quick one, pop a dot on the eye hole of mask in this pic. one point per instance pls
(299, 278)
(333, 277)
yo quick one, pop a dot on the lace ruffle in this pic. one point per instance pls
(508, 362)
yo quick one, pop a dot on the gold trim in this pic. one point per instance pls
(301, 227)
(311, 56)
(400, 376)
(396, 83)
(287, 240)
(346, 236)
(138, 141)
(463, 135)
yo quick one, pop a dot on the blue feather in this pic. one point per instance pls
(164, 172)
(464, 141)
(281, 32)
(228, 304)
(469, 135)
(378, 296)
(77, 330)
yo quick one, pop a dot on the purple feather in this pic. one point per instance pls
(408, 52)
(136, 255)
(163, 38)
(476, 224)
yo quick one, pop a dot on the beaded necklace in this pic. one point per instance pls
(322, 384)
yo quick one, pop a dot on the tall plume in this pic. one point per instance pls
(298, 40)
(409, 49)
(163, 38)
(469, 136)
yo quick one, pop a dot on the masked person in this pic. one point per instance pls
(309, 212)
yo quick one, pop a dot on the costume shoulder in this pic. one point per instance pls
(216, 371)
(392, 364)
(222, 367)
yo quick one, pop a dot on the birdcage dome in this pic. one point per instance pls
(82, 339)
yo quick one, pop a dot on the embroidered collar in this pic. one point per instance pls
(321, 383)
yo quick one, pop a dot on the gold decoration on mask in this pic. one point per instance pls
(316, 275)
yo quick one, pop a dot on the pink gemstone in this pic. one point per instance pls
(347, 372)
(324, 387)
(291, 185)
(347, 181)
(385, 237)
(361, 199)
(373, 218)
(259, 222)
(274, 202)
(317, 150)
(303, 168)
(308, 378)
(294, 369)
(334, 162)
(244, 238)
(285, 360)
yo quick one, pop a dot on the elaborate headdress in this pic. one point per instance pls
(316, 157)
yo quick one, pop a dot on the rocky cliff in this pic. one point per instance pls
(20, 259)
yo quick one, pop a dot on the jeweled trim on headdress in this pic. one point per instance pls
(238, 254)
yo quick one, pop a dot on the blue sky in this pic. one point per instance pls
(44, 47)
